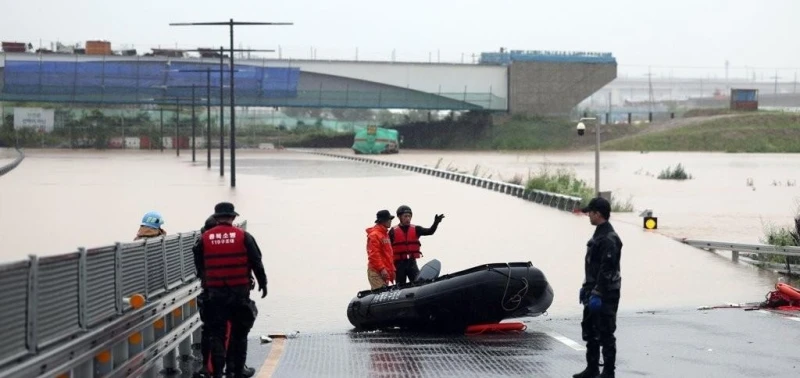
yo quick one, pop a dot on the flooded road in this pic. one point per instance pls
(717, 204)
(309, 214)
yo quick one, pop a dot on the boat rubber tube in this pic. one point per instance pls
(483, 294)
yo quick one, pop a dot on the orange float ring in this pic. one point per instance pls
(495, 327)
(789, 291)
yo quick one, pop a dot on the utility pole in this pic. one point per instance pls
(651, 98)
(776, 82)
(230, 23)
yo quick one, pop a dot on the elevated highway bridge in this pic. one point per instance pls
(516, 82)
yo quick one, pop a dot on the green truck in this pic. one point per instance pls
(376, 140)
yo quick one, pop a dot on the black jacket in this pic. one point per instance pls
(253, 257)
(602, 268)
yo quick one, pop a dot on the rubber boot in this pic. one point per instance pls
(609, 360)
(592, 362)
(607, 373)
(247, 372)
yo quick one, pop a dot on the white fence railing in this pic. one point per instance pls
(111, 311)
(555, 200)
(737, 248)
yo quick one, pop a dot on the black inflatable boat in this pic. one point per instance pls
(450, 303)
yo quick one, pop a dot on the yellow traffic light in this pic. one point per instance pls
(650, 223)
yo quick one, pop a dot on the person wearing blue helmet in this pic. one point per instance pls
(150, 227)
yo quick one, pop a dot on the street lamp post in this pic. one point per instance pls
(194, 126)
(161, 128)
(177, 127)
(581, 128)
(230, 23)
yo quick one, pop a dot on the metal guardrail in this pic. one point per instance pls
(110, 311)
(737, 248)
(8, 167)
(555, 200)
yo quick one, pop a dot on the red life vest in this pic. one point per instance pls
(406, 246)
(225, 257)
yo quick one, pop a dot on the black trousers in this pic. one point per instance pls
(597, 329)
(406, 270)
(222, 306)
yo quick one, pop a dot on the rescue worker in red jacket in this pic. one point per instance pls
(380, 267)
(205, 347)
(405, 243)
(224, 256)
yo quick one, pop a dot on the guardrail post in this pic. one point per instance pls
(147, 242)
(164, 259)
(118, 276)
(31, 336)
(185, 356)
(735, 256)
(180, 252)
(120, 352)
(85, 369)
(82, 279)
(102, 363)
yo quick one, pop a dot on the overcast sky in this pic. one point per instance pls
(668, 35)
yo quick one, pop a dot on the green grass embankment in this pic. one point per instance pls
(757, 132)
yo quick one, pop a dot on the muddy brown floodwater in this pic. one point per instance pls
(309, 214)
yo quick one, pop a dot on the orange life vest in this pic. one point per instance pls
(406, 246)
(225, 257)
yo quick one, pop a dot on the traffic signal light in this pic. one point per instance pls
(650, 223)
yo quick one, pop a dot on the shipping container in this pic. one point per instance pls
(744, 99)
(98, 48)
(10, 47)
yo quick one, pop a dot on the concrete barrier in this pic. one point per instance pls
(555, 200)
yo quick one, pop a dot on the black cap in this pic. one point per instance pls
(383, 216)
(599, 204)
(224, 209)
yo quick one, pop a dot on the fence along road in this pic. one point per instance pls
(111, 311)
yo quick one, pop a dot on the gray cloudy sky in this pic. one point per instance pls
(669, 35)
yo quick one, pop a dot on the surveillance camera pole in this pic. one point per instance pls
(596, 155)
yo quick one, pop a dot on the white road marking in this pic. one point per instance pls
(567, 341)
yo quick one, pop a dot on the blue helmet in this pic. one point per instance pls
(153, 219)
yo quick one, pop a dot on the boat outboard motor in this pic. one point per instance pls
(429, 271)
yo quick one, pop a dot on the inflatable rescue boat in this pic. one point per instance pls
(483, 294)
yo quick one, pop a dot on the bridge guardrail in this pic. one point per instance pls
(737, 248)
(108, 311)
(10, 166)
(555, 200)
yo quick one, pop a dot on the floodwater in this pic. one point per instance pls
(309, 214)
(717, 204)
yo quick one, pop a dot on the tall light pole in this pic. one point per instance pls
(230, 23)
(581, 129)
(208, 72)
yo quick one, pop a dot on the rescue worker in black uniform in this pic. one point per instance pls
(600, 292)
(406, 245)
(205, 347)
(224, 256)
